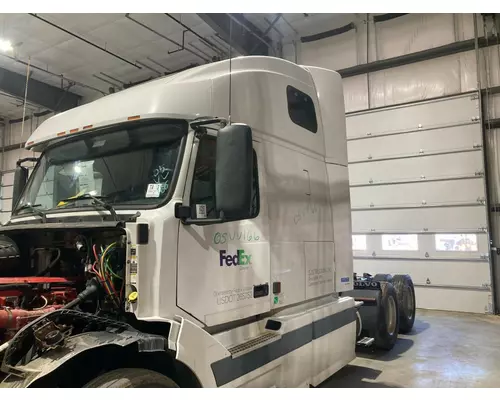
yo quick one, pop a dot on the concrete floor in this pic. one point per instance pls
(444, 350)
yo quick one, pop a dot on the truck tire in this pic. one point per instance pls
(383, 278)
(387, 325)
(131, 378)
(406, 302)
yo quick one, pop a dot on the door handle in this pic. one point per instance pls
(308, 178)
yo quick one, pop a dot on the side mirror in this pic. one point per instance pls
(20, 179)
(234, 172)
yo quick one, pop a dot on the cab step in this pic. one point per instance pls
(365, 342)
(259, 341)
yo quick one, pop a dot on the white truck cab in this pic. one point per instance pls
(227, 217)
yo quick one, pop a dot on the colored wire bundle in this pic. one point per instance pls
(103, 270)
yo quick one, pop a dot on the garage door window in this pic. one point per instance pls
(359, 242)
(400, 242)
(456, 242)
(301, 109)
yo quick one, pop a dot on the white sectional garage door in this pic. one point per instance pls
(418, 199)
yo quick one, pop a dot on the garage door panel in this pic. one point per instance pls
(462, 300)
(404, 169)
(439, 273)
(440, 219)
(445, 139)
(446, 291)
(454, 110)
(418, 199)
(464, 191)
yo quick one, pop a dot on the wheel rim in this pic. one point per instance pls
(410, 301)
(390, 314)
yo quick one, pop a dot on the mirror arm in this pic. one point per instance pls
(28, 159)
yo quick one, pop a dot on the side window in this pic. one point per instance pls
(301, 109)
(203, 189)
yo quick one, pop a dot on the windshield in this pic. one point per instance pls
(129, 166)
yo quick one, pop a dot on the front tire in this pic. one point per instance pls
(131, 378)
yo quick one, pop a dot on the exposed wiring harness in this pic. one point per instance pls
(108, 278)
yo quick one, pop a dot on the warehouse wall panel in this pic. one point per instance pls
(356, 93)
(412, 33)
(344, 45)
(418, 81)
(369, 41)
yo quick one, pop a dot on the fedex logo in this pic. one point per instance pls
(238, 259)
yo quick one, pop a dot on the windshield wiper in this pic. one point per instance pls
(97, 202)
(33, 208)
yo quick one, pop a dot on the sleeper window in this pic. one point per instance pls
(301, 109)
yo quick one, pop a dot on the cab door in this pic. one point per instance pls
(223, 270)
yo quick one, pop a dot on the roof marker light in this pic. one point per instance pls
(29, 143)
(134, 117)
(61, 133)
(74, 130)
(88, 126)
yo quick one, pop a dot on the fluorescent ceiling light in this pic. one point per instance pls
(5, 45)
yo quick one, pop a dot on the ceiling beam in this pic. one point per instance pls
(243, 36)
(39, 93)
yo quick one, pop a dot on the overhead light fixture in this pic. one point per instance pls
(5, 45)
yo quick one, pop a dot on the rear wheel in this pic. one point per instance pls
(387, 325)
(406, 302)
(131, 378)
